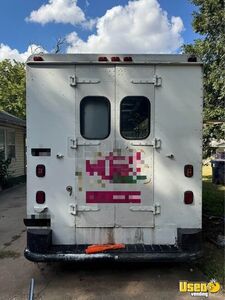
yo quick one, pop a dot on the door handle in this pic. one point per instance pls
(69, 189)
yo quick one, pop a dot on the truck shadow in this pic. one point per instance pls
(129, 268)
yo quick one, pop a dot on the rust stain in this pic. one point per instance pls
(110, 236)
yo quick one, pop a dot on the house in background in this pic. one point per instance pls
(12, 143)
(220, 150)
(219, 147)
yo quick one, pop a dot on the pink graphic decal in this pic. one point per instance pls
(117, 168)
(113, 197)
(138, 155)
(95, 169)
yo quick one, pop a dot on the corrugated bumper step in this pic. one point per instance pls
(138, 252)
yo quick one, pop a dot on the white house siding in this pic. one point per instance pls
(17, 166)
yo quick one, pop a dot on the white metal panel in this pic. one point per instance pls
(142, 156)
(162, 235)
(178, 123)
(114, 235)
(50, 121)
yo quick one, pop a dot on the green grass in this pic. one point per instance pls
(8, 254)
(212, 263)
(212, 194)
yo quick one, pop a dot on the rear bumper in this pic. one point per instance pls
(40, 249)
(121, 257)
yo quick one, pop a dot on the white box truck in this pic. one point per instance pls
(114, 151)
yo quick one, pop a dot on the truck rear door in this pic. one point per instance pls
(134, 145)
(114, 146)
(95, 140)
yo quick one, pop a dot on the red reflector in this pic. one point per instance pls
(40, 170)
(127, 59)
(102, 58)
(40, 197)
(38, 58)
(188, 197)
(115, 58)
(188, 170)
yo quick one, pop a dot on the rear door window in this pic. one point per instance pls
(135, 117)
(95, 117)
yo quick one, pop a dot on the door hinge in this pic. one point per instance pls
(74, 80)
(87, 143)
(73, 209)
(156, 80)
(155, 209)
(73, 143)
(156, 143)
(87, 208)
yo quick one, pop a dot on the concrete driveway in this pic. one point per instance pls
(79, 281)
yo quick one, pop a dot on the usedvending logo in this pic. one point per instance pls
(199, 289)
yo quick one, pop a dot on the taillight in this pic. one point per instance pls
(40, 197)
(127, 59)
(38, 58)
(188, 197)
(40, 170)
(188, 170)
(115, 58)
(102, 58)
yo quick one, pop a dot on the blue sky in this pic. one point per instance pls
(17, 33)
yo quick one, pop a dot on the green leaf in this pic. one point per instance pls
(12, 88)
(209, 21)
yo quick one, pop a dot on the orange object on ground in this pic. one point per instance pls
(104, 247)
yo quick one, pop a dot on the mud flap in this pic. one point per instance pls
(190, 239)
(39, 240)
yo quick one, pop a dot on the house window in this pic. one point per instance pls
(11, 144)
(7, 143)
(135, 117)
(95, 117)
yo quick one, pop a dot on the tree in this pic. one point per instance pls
(209, 21)
(12, 87)
(59, 44)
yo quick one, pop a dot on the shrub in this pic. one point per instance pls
(4, 173)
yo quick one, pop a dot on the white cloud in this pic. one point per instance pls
(7, 53)
(139, 27)
(89, 24)
(58, 11)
